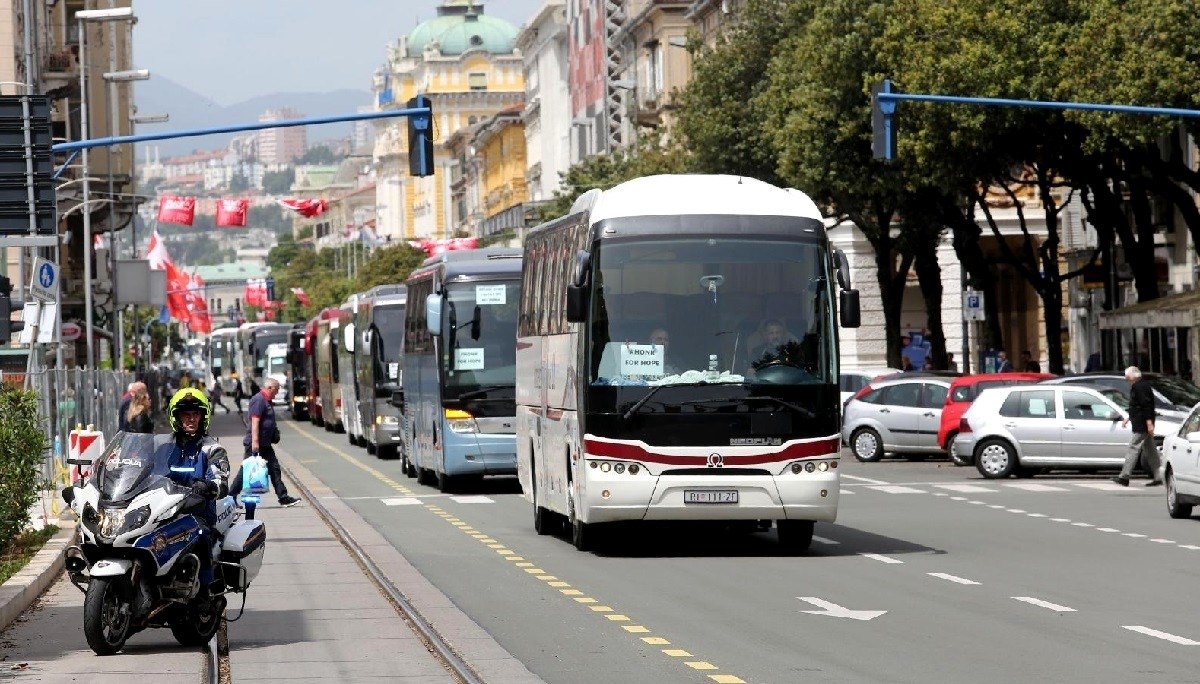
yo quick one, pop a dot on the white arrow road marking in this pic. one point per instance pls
(1161, 635)
(880, 558)
(834, 610)
(823, 540)
(952, 578)
(1044, 604)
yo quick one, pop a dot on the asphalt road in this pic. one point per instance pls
(931, 574)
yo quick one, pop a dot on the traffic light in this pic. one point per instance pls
(420, 138)
(7, 325)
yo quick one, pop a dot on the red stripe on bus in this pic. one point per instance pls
(821, 448)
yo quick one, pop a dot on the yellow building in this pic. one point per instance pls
(465, 62)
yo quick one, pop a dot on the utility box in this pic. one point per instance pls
(135, 283)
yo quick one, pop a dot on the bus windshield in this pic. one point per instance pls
(480, 322)
(388, 323)
(730, 310)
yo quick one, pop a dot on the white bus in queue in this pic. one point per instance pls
(677, 359)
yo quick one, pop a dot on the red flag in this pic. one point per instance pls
(308, 208)
(176, 209)
(253, 295)
(199, 319)
(177, 292)
(156, 253)
(232, 212)
(301, 296)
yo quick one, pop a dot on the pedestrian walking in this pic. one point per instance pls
(1141, 415)
(137, 416)
(1003, 365)
(262, 434)
(217, 393)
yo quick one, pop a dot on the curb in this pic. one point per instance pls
(469, 641)
(23, 588)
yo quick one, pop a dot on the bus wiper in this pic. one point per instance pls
(654, 390)
(482, 390)
(798, 409)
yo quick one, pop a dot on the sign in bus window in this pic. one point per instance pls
(641, 359)
(468, 358)
(490, 295)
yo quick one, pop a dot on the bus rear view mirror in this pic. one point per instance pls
(583, 264)
(397, 399)
(848, 309)
(843, 270)
(433, 314)
(576, 304)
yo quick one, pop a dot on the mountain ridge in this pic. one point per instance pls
(190, 110)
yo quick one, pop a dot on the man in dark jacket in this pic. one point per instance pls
(1141, 414)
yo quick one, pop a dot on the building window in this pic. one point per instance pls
(477, 81)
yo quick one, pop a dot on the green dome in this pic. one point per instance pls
(460, 27)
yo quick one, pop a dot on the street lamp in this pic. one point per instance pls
(149, 118)
(127, 76)
(84, 17)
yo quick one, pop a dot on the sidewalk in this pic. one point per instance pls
(312, 615)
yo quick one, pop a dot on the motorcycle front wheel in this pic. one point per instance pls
(107, 614)
(196, 624)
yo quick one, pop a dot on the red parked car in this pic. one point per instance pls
(963, 391)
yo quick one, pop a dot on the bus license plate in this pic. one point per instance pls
(710, 496)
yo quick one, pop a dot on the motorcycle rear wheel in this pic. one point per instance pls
(107, 614)
(196, 624)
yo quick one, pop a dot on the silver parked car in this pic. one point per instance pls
(1024, 429)
(851, 380)
(1181, 466)
(899, 414)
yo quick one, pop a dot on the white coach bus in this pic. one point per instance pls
(677, 359)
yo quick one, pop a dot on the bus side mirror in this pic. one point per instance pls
(433, 314)
(849, 309)
(397, 399)
(258, 371)
(576, 304)
(843, 270)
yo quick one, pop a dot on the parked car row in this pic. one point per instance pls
(1022, 424)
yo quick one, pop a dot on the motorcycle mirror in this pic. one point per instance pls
(68, 495)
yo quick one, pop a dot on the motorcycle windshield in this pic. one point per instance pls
(131, 464)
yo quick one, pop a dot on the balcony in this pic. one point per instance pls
(60, 73)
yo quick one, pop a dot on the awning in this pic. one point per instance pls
(1177, 310)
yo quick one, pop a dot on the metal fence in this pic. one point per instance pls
(75, 397)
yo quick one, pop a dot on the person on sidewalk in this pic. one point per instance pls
(198, 459)
(217, 392)
(137, 416)
(1142, 415)
(261, 436)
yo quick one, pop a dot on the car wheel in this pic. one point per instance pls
(867, 445)
(956, 458)
(1174, 508)
(995, 459)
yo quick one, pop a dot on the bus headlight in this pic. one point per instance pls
(387, 420)
(461, 422)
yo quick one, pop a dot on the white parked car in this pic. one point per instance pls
(851, 380)
(1024, 429)
(1181, 470)
(898, 414)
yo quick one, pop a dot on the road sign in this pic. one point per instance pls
(71, 331)
(973, 306)
(44, 286)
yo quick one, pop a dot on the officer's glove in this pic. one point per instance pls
(205, 489)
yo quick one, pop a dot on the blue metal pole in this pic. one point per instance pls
(257, 126)
(886, 97)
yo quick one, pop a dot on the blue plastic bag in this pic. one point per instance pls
(255, 478)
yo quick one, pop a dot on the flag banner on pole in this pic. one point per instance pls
(156, 252)
(301, 296)
(231, 213)
(176, 209)
(308, 208)
(436, 247)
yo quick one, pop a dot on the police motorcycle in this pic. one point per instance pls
(141, 540)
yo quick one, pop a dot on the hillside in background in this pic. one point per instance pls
(189, 109)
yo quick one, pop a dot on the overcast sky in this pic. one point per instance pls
(232, 50)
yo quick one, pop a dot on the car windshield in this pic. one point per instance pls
(131, 464)
(724, 310)
(276, 365)
(481, 328)
(1177, 391)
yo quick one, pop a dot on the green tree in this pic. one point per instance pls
(22, 447)
(387, 265)
(319, 154)
(278, 182)
(238, 182)
(283, 253)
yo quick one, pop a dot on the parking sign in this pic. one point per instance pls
(973, 306)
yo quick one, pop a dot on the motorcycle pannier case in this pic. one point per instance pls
(244, 545)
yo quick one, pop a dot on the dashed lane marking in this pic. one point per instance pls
(1035, 487)
(823, 540)
(403, 501)
(1182, 641)
(966, 488)
(1044, 604)
(952, 578)
(897, 489)
(881, 558)
(864, 480)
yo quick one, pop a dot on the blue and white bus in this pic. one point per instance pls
(459, 366)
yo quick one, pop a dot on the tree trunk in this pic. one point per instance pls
(929, 275)
(966, 233)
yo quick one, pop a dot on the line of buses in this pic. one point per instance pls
(619, 364)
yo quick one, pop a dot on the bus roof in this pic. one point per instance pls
(473, 262)
(695, 194)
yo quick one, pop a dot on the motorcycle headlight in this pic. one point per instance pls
(111, 520)
(135, 519)
(461, 421)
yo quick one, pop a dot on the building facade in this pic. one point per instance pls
(281, 145)
(547, 113)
